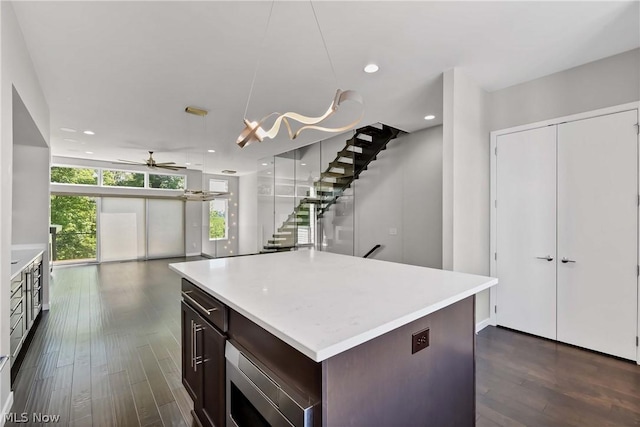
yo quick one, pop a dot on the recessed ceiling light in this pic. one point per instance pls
(211, 151)
(188, 164)
(69, 140)
(429, 117)
(89, 152)
(67, 130)
(265, 164)
(303, 164)
(89, 132)
(371, 68)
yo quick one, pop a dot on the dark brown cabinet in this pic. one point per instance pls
(204, 321)
(190, 377)
(211, 411)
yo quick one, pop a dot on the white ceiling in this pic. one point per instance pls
(127, 70)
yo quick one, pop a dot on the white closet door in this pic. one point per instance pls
(526, 231)
(597, 232)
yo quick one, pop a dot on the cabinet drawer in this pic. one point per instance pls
(16, 303)
(16, 323)
(16, 283)
(206, 305)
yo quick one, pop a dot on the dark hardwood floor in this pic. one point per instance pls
(522, 380)
(108, 354)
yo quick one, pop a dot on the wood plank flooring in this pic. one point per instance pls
(527, 381)
(108, 354)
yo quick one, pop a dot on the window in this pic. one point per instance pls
(69, 175)
(168, 182)
(116, 178)
(76, 239)
(218, 221)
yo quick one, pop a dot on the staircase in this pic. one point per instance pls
(350, 162)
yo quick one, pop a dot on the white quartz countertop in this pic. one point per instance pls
(323, 304)
(24, 258)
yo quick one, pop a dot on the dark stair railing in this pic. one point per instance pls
(358, 152)
(373, 249)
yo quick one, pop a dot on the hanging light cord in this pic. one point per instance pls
(255, 73)
(324, 43)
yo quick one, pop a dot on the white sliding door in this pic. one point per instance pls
(165, 228)
(597, 233)
(122, 229)
(526, 231)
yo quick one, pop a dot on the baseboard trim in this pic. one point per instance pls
(483, 324)
(6, 408)
(193, 254)
(45, 307)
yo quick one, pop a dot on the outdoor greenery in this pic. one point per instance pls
(217, 219)
(113, 178)
(64, 175)
(77, 216)
(171, 182)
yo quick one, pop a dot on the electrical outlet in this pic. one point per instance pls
(419, 341)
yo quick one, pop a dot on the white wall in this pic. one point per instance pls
(16, 70)
(466, 180)
(248, 214)
(30, 199)
(610, 81)
(398, 201)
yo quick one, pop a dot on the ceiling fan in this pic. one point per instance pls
(151, 163)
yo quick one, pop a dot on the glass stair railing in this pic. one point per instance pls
(358, 152)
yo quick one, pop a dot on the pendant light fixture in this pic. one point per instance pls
(253, 131)
(201, 195)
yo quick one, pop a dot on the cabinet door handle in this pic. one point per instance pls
(196, 328)
(548, 257)
(192, 340)
(197, 304)
(566, 260)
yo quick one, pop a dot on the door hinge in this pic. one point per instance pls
(495, 309)
(495, 203)
(637, 125)
(638, 270)
(495, 256)
(636, 341)
(495, 151)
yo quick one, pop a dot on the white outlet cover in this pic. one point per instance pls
(393, 231)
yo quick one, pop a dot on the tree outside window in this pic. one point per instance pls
(68, 175)
(218, 212)
(116, 178)
(168, 182)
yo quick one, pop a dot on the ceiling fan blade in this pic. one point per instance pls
(165, 163)
(173, 168)
(128, 162)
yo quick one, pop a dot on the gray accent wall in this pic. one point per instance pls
(604, 83)
(398, 201)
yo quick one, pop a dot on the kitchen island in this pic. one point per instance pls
(353, 342)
